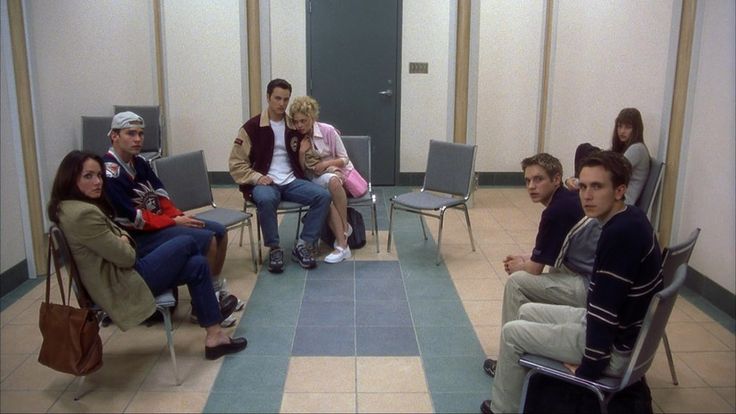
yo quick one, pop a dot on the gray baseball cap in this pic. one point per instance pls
(126, 119)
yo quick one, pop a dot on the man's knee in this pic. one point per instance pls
(265, 198)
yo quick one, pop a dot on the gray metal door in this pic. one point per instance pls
(353, 64)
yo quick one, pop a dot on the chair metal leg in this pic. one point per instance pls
(390, 224)
(242, 228)
(170, 339)
(424, 232)
(669, 358)
(298, 225)
(252, 246)
(470, 229)
(439, 235)
(258, 232)
(524, 389)
(375, 224)
(81, 391)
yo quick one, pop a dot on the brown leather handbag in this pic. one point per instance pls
(71, 339)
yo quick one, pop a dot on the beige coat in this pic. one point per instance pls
(105, 263)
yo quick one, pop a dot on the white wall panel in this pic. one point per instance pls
(509, 76)
(425, 37)
(203, 72)
(706, 194)
(86, 56)
(607, 56)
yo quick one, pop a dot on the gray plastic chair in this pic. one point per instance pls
(650, 192)
(359, 151)
(151, 115)
(448, 183)
(63, 259)
(674, 257)
(645, 348)
(187, 182)
(94, 134)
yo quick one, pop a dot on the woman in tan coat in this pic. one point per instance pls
(122, 284)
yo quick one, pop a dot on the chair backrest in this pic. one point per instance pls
(359, 152)
(450, 168)
(652, 329)
(677, 255)
(94, 134)
(152, 117)
(63, 259)
(185, 178)
(651, 187)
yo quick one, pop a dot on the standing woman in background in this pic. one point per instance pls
(627, 139)
(121, 283)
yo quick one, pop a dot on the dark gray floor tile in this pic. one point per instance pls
(270, 312)
(431, 289)
(324, 341)
(327, 314)
(379, 269)
(382, 313)
(329, 290)
(448, 341)
(438, 313)
(342, 270)
(379, 289)
(462, 374)
(459, 402)
(266, 340)
(252, 374)
(386, 341)
(279, 287)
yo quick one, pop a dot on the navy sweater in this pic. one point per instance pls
(626, 275)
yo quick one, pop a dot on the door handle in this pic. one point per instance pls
(387, 92)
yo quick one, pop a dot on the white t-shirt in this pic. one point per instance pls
(280, 171)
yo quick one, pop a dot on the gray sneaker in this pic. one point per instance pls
(276, 260)
(303, 255)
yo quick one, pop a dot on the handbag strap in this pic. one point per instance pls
(58, 273)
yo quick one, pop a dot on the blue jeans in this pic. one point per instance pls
(268, 197)
(147, 241)
(178, 262)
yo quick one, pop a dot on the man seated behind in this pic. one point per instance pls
(143, 207)
(598, 339)
(566, 242)
(264, 161)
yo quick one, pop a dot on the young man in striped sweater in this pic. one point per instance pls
(626, 275)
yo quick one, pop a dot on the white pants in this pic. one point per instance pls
(553, 331)
(560, 287)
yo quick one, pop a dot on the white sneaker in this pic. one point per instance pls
(349, 231)
(338, 255)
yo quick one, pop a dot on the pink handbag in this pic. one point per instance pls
(355, 184)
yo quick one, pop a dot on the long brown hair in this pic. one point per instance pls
(65, 184)
(627, 116)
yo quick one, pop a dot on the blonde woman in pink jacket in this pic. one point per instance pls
(325, 161)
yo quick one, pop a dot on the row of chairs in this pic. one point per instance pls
(95, 129)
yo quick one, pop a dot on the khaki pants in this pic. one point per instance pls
(559, 287)
(553, 331)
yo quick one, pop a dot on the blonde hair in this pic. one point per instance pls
(305, 105)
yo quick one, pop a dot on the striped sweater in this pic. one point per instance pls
(626, 275)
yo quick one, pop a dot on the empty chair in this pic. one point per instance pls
(672, 258)
(94, 134)
(650, 192)
(447, 184)
(187, 182)
(359, 152)
(151, 115)
(643, 353)
(63, 258)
